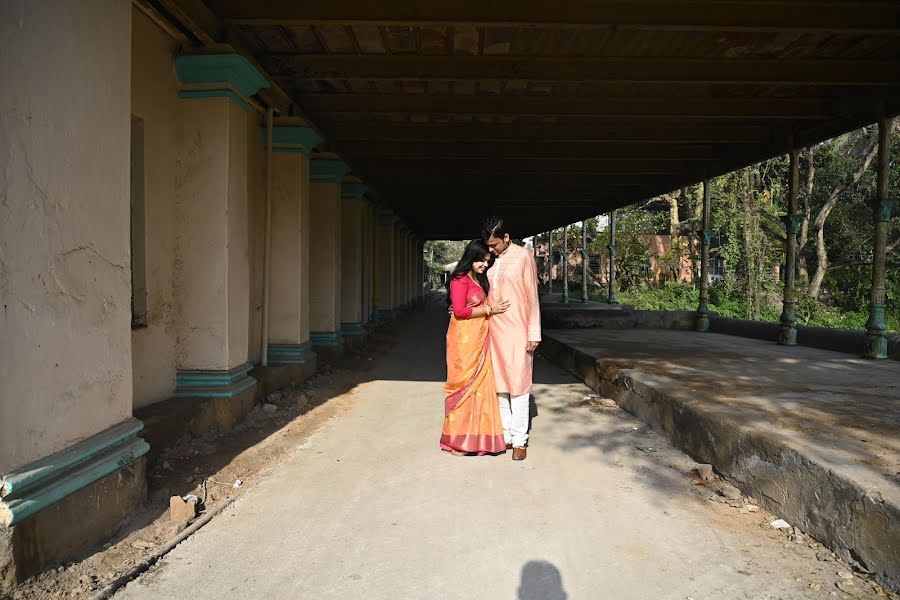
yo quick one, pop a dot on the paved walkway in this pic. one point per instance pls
(370, 508)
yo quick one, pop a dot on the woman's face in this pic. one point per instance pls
(479, 266)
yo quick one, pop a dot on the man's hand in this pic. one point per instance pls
(532, 346)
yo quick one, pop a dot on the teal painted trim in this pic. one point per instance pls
(190, 94)
(328, 170)
(353, 329)
(293, 139)
(214, 384)
(47, 481)
(185, 379)
(30, 475)
(353, 190)
(385, 314)
(290, 354)
(326, 338)
(217, 68)
(291, 150)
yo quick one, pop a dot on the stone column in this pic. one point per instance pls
(65, 283)
(703, 309)
(212, 273)
(325, 285)
(289, 342)
(352, 263)
(883, 206)
(400, 234)
(787, 334)
(385, 267)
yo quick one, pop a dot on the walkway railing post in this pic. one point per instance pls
(611, 297)
(883, 207)
(566, 264)
(550, 261)
(703, 309)
(585, 257)
(787, 336)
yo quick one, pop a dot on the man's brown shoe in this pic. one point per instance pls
(509, 446)
(519, 453)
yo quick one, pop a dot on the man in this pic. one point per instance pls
(515, 334)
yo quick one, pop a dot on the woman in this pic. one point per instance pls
(472, 415)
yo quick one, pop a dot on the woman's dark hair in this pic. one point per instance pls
(475, 250)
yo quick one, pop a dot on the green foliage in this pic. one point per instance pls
(747, 233)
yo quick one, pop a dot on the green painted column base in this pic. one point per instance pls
(787, 336)
(702, 322)
(876, 328)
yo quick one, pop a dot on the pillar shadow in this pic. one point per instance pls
(541, 580)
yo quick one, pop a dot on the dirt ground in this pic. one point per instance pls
(208, 468)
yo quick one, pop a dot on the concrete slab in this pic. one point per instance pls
(370, 508)
(813, 433)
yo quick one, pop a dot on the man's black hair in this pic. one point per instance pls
(493, 227)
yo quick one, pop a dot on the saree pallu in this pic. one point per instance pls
(472, 412)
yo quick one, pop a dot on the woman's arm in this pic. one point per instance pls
(458, 294)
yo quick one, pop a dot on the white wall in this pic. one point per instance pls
(65, 287)
(154, 98)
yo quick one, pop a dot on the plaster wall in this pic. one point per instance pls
(212, 263)
(352, 260)
(325, 257)
(385, 267)
(154, 98)
(289, 298)
(256, 230)
(65, 288)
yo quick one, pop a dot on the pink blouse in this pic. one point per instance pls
(465, 294)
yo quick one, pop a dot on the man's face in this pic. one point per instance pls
(498, 245)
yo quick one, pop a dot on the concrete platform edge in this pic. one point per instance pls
(858, 524)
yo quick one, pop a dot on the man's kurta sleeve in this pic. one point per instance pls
(529, 276)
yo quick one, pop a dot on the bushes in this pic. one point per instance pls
(684, 296)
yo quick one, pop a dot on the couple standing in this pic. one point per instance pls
(495, 327)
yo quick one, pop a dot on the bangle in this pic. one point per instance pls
(489, 310)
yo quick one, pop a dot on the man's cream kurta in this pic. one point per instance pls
(513, 277)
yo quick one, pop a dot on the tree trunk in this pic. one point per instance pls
(815, 284)
(803, 267)
(821, 266)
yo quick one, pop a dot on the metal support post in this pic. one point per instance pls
(611, 297)
(703, 309)
(883, 207)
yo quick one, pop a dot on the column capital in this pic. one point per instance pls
(386, 217)
(293, 138)
(218, 75)
(327, 170)
(354, 190)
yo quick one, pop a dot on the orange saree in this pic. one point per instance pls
(471, 410)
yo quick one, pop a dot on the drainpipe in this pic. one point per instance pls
(267, 246)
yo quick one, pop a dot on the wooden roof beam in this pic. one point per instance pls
(614, 107)
(863, 17)
(582, 150)
(346, 131)
(659, 70)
